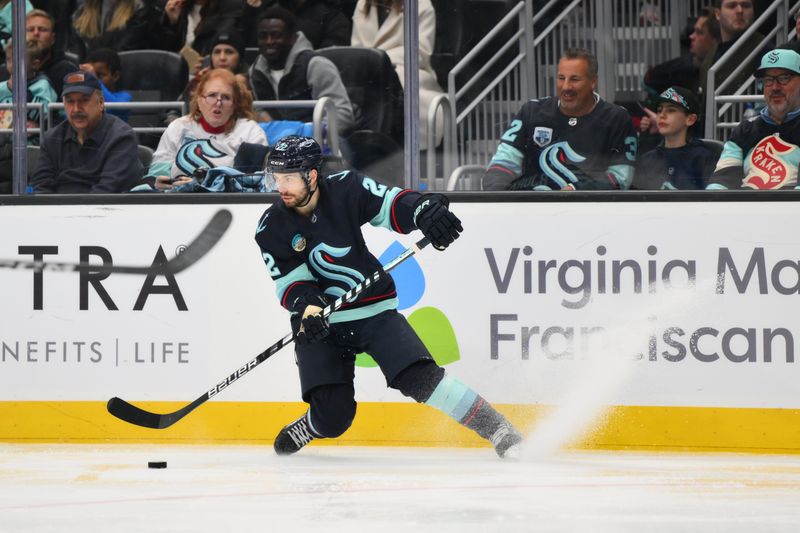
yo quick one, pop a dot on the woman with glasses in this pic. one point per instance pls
(220, 119)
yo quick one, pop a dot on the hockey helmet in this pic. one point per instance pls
(294, 153)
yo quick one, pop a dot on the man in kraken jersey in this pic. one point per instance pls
(574, 141)
(313, 248)
(764, 152)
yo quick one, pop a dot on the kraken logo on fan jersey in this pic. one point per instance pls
(323, 261)
(195, 154)
(772, 164)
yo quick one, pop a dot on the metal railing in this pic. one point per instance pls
(41, 108)
(132, 106)
(626, 38)
(724, 104)
(494, 92)
(435, 181)
(323, 110)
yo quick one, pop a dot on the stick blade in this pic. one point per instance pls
(134, 415)
(206, 240)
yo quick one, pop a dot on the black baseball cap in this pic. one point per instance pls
(680, 96)
(80, 82)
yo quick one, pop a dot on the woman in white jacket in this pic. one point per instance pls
(379, 24)
(220, 119)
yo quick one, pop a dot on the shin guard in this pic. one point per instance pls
(471, 410)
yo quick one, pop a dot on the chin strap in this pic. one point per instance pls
(310, 194)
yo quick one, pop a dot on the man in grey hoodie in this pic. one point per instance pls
(288, 69)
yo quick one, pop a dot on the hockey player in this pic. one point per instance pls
(575, 141)
(764, 152)
(312, 245)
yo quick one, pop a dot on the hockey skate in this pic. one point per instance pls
(293, 437)
(507, 442)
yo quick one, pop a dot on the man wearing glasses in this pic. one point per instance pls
(764, 151)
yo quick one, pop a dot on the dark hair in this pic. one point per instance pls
(712, 24)
(586, 55)
(277, 12)
(105, 55)
(718, 4)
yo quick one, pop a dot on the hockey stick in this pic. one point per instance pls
(138, 416)
(196, 249)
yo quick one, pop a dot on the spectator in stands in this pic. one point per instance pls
(39, 88)
(764, 152)
(39, 91)
(287, 69)
(379, 24)
(39, 27)
(105, 64)
(6, 19)
(61, 12)
(220, 120)
(684, 71)
(227, 51)
(120, 25)
(680, 161)
(574, 141)
(321, 21)
(734, 17)
(92, 151)
(195, 23)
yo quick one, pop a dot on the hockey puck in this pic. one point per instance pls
(157, 464)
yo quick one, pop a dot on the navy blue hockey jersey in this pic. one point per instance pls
(326, 253)
(687, 167)
(760, 154)
(546, 149)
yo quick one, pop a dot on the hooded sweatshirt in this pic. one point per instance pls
(305, 77)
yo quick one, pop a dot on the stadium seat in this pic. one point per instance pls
(145, 156)
(373, 88)
(453, 36)
(165, 73)
(714, 144)
(250, 55)
(33, 158)
(152, 76)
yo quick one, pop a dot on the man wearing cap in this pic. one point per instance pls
(764, 152)
(92, 152)
(680, 161)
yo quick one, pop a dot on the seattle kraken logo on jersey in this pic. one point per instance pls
(195, 154)
(323, 260)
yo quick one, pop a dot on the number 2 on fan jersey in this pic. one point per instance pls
(511, 133)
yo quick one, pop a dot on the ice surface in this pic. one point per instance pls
(108, 488)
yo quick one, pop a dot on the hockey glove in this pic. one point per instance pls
(313, 326)
(436, 221)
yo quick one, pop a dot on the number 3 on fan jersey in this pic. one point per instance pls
(511, 133)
